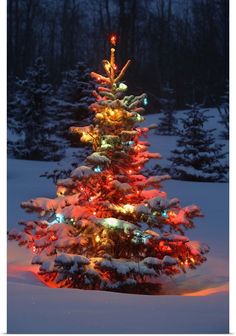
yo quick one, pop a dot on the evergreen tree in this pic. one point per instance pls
(31, 117)
(168, 122)
(73, 98)
(224, 112)
(197, 157)
(110, 227)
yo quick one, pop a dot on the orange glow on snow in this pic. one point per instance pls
(209, 291)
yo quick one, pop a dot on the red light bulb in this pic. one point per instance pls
(113, 39)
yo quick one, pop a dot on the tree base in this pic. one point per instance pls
(144, 288)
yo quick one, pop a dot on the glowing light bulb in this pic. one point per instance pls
(98, 169)
(130, 171)
(164, 214)
(82, 189)
(59, 218)
(115, 67)
(34, 248)
(98, 78)
(123, 87)
(128, 208)
(145, 101)
(94, 213)
(113, 39)
(172, 213)
(97, 239)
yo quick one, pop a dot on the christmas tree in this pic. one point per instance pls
(198, 157)
(110, 227)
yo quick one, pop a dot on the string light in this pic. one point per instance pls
(98, 169)
(60, 217)
(113, 39)
(53, 237)
(97, 239)
(128, 208)
(56, 218)
(123, 87)
(145, 101)
(164, 214)
(172, 213)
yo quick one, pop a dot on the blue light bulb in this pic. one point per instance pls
(164, 214)
(98, 169)
(60, 218)
(145, 101)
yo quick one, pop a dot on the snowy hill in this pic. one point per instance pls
(201, 305)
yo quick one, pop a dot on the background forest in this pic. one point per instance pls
(180, 42)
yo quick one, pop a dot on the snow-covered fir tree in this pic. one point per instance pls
(72, 101)
(110, 227)
(31, 117)
(74, 97)
(198, 157)
(167, 124)
(223, 109)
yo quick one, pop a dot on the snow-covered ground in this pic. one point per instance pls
(200, 307)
